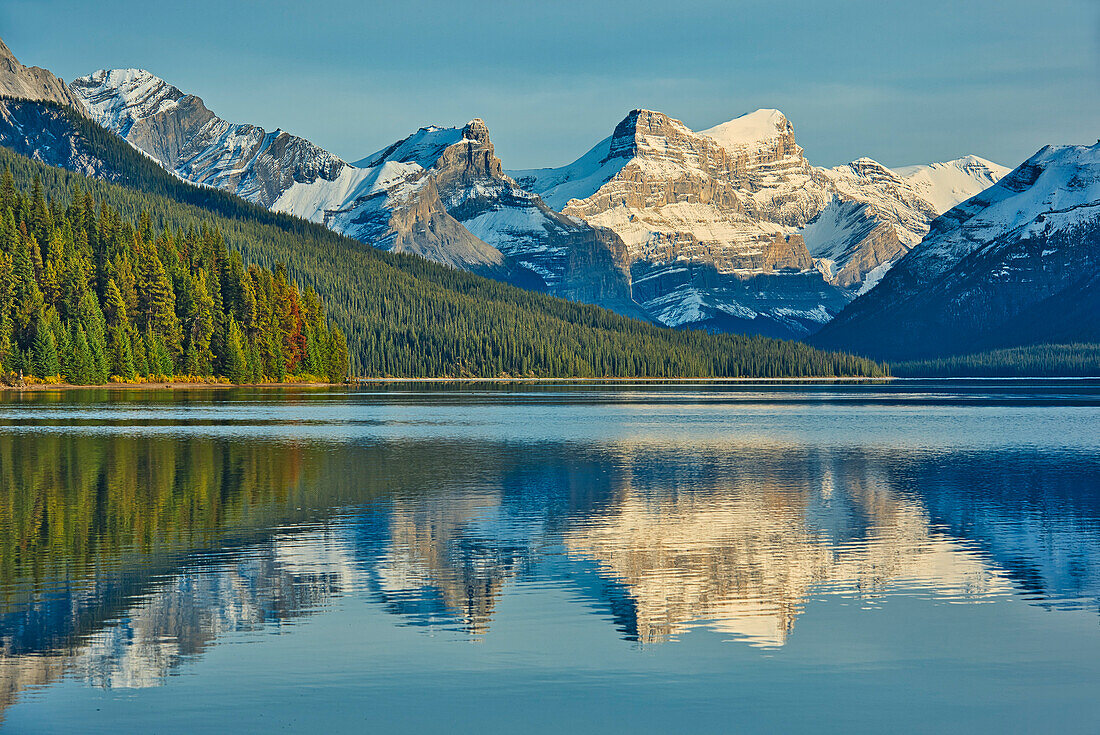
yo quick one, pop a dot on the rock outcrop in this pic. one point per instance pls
(32, 82)
(180, 132)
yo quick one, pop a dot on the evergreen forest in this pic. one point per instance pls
(88, 296)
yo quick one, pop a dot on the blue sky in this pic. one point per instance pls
(902, 82)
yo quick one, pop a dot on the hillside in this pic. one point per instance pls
(403, 315)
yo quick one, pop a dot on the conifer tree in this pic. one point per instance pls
(44, 361)
(337, 357)
(122, 355)
(82, 370)
(236, 368)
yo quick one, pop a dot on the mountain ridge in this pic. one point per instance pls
(1015, 264)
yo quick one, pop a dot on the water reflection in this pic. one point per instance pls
(126, 554)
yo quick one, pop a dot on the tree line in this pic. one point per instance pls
(87, 296)
(1045, 360)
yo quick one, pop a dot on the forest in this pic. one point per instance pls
(88, 296)
(1039, 361)
(404, 316)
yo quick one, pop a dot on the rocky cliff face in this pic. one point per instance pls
(1023, 253)
(32, 82)
(180, 132)
(402, 198)
(780, 241)
(728, 228)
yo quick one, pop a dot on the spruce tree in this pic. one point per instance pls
(83, 368)
(122, 355)
(236, 368)
(337, 357)
(44, 360)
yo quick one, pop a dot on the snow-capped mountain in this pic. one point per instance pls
(180, 132)
(497, 220)
(709, 223)
(949, 183)
(439, 193)
(733, 228)
(1019, 262)
(728, 229)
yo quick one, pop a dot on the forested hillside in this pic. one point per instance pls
(1045, 360)
(403, 315)
(87, 295)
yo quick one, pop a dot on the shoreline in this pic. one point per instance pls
(367, 382)
(166, 386)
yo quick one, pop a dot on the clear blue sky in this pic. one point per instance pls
(902, 82)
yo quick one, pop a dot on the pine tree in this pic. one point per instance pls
(202, 328)
(156, 300)
(141, 355)
(122, 354)
(95, 329)
(337, 357)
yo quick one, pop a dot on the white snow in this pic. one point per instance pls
(952, 182)
(424, 147)
(749, 130)
(874, 276)
(116, 98)
(314, 200)
(578, 180)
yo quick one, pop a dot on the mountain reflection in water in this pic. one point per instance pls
(126, 553)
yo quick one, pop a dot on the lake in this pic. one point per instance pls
(903, 557)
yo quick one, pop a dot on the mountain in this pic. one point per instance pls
(177, 130)
(733, 228)
(947, 184)
(457, 168)
(32, 82)
(730, 229)
(402, 315)
(440, 193)
(709, 223)
(1019, 263)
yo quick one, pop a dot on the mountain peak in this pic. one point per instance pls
(640, 124)
(948, 183)
(477, 130)
(6, 54)
(751, 129)
(32, 82)
(117, 98)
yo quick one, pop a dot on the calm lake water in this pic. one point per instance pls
(913, 557)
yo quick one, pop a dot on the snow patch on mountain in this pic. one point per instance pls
(578, 180)
(952, 182)
(1056, 190)
(424, 147)
(320, 200)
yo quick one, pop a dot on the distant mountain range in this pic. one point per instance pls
(725, 229)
